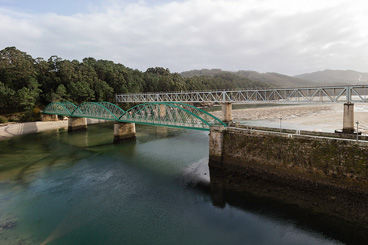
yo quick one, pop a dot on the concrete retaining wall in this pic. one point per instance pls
(329, 161)
(327, 176)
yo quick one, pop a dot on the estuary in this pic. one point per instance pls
(79, 188)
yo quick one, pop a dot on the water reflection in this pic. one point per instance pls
(259, 197)
(80, 188)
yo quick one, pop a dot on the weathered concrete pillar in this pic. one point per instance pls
(227, 112)
(77, 123)
(348, 121)
(162, 111)
(49, 117)
(216, 146)
(124, 132)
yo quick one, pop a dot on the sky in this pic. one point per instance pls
(284, 36)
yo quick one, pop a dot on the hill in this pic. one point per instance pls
(335, 77)
(276, 79)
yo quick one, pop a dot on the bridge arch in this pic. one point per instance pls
(171, 114)
(98, 110)
(60, 108)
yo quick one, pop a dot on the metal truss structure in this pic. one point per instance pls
(169, 114)
(336, 94)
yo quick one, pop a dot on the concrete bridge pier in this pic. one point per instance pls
(77, 123)
(49, 117)
(348, 120)
(162, 111)
(216, 146)
(227, 112)
(124, 132)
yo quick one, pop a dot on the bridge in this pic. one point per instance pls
(167, 114)
(329, 94)
(334, 94)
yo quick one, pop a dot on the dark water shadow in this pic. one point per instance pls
(257, 201)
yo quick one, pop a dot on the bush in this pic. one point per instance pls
(3, 119)
(30, 116)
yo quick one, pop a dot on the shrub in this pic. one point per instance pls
(3, 119)
(30, 116)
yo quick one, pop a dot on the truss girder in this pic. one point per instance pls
(334, 94)
(169, 114)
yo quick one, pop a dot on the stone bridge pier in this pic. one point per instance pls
(77, 123)
(227, 112)
(124, 132)
(49, 117)
(348, 120)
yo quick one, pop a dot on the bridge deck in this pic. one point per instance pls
(335, 94)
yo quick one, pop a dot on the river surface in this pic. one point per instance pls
(79, 188)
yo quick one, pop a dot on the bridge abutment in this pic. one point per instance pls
(77, 123)
(124, 132)
(227, 112)
(49, 117)
(216, 138)
(348, 120)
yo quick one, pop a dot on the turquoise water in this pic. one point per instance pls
(79, 188)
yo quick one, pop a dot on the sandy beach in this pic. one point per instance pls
(325, 117)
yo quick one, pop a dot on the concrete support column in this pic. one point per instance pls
(227, 112)
(124, 132)
(49, 117)
(162, 111)
(77, 123)
(348, 121)
(216, 146)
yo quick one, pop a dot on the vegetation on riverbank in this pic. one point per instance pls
(27, 83)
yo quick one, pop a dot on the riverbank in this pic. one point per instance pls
(8, 130)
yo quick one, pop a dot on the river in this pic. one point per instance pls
(79, 188)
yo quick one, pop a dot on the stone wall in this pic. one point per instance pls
(330, 161)
(326, 176)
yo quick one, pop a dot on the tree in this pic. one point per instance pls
(60, 94)
(6, 98)
(27, 96)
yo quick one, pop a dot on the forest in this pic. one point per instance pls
(28, 84)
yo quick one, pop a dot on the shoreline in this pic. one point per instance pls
(9, 130)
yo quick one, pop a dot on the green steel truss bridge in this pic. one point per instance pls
(168, 114)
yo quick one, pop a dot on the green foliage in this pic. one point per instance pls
(26, 82)
(30, 116)
(3, 119)
(29, 95)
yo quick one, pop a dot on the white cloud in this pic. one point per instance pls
(283, 36)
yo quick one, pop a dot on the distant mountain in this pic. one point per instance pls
(276, 79)
(335, 77)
